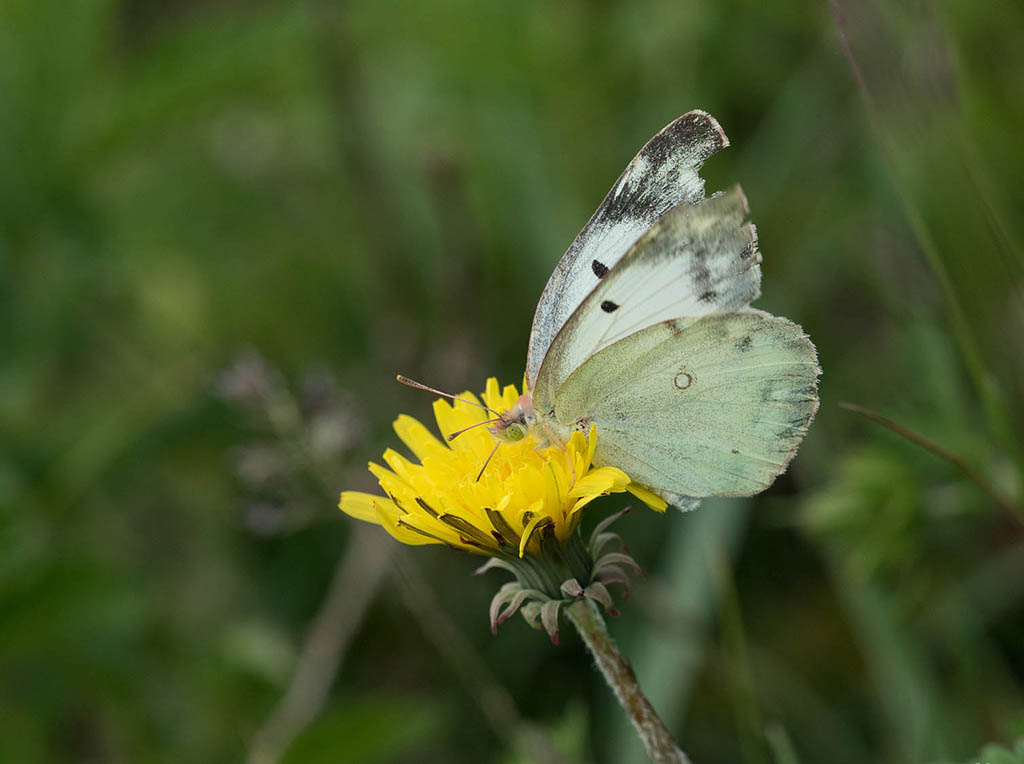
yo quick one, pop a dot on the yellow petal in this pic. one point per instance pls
(591, 445)
(652, 500)
(415, 526)
(597, 483)
(556, 482)
(468, 395)
(509, 396)
(418, 438)
(492, 395)
(392, 483)
(377, 471)
(451, 419)
(580, 450)
(528, 531)
(400, 465)
(448, 421)
(407, 536)
(594, 484)
(619, 478)
(359, 505)
(536, 508)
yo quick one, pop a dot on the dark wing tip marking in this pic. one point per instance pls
(685, 143)
(695, 128)
(711, 125)
(609, 307)
(694, 137)
(599, 268)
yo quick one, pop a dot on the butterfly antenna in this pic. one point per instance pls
(452, 436)
(420, 386)
(488, 461)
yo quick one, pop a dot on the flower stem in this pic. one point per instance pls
(620, 677)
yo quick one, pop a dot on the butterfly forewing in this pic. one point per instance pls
(662, 175)
(691, 408)
(697, 259)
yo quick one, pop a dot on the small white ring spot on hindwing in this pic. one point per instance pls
(683, 380)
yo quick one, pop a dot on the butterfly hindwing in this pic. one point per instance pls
(690, 408)
(697, 259)
(662, 175)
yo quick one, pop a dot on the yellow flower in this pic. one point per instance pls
(524, 493)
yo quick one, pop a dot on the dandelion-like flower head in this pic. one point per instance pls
(522, 509)
(524, 491)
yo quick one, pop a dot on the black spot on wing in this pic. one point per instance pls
(743, 345)
(609, 307)
(708, 296)
(600, 269)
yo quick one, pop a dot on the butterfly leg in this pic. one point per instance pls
(572, 467)
(487, 461)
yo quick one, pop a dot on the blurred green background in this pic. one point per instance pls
(225, 225)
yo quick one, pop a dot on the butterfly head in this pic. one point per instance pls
(516, 423)
(510, 426)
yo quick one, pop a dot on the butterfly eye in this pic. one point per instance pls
(515, 432)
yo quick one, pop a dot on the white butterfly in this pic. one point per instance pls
(645, 331)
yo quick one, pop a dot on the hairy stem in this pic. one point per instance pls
(620, 677)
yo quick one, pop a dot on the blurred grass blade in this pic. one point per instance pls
(907, 690)
(781, 746)
(749, 725)
(930, 155)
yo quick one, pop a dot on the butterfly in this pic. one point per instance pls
(645, 332)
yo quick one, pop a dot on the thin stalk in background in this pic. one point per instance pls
(620, 677)
(356, 581)
(1013, 510)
